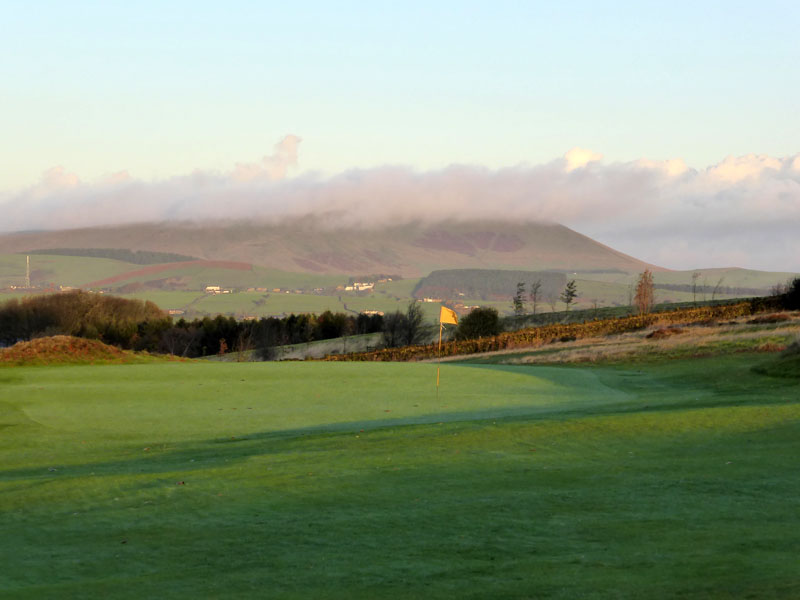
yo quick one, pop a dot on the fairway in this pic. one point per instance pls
(354, 480)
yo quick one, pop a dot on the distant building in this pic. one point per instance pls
(360, 286)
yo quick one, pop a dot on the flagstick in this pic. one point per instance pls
(439, 361)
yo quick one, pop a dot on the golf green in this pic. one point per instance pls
(356, 480)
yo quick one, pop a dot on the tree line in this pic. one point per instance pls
(141, 325)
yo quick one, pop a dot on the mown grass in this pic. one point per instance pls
(352, 480)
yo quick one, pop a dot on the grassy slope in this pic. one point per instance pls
(411, 250)
(60, 270)
(216, 480)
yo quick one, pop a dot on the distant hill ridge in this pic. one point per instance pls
(136, 257)
(309, 246)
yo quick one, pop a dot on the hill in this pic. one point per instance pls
(409, 250)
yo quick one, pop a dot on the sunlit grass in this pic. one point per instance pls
(352, 480)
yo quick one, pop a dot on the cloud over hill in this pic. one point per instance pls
(743, 211)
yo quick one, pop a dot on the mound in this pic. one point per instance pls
(64, 349)
(785, 365)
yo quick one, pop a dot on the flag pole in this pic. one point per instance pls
(445, 316)
(439, 360)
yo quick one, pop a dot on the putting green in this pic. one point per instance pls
(348, 480)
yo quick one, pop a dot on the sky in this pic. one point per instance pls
(667, 131)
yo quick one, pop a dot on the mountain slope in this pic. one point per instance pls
(409, 250)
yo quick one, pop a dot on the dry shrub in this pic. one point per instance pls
(767, 319)
(660, 334)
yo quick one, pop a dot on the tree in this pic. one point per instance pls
(569, 293)
(534, 295)
(518, 300)
(695, 277)
(404, 329)
(392, 329)
(789, 294)
(717, 287)
(481, 322)
(645, 298)
(415, 329)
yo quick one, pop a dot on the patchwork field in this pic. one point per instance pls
(181, 285)
(352, 480)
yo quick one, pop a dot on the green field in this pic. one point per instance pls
(59, 270)
(347, 480)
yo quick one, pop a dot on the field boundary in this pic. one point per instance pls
(535, 336)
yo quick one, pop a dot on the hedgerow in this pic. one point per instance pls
(536, 336)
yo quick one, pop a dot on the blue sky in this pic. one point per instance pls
(164, 89)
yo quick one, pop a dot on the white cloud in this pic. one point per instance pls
(742, 212)
(580, 157)
(738, 168)
(57, 178)
(271, 167)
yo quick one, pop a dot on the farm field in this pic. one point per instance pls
(152, 282)
(353, 480)
(60, 270)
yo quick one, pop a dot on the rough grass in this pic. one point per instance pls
(658, 344)
(64, 349)
(350, 480)
(785, 365)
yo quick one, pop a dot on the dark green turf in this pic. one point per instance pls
(675, 480)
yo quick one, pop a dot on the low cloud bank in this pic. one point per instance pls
(744, 211)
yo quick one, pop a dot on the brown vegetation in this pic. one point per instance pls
(772, 318)
(535, 336)
(65, 349)
(664, 332)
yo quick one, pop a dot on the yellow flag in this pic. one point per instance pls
(448, 316)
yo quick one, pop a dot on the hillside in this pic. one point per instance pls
(410, 250)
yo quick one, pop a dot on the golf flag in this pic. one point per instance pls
(445, 316)
(448, 316)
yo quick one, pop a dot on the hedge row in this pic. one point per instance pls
(536, 336)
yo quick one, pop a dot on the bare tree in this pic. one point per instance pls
(405, 329)
(645, 298)
(695, 277)
(534, 295)
(715, 291)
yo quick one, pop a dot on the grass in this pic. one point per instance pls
(715, 339)
(349, 480)
(787, 364)
(59, 270)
